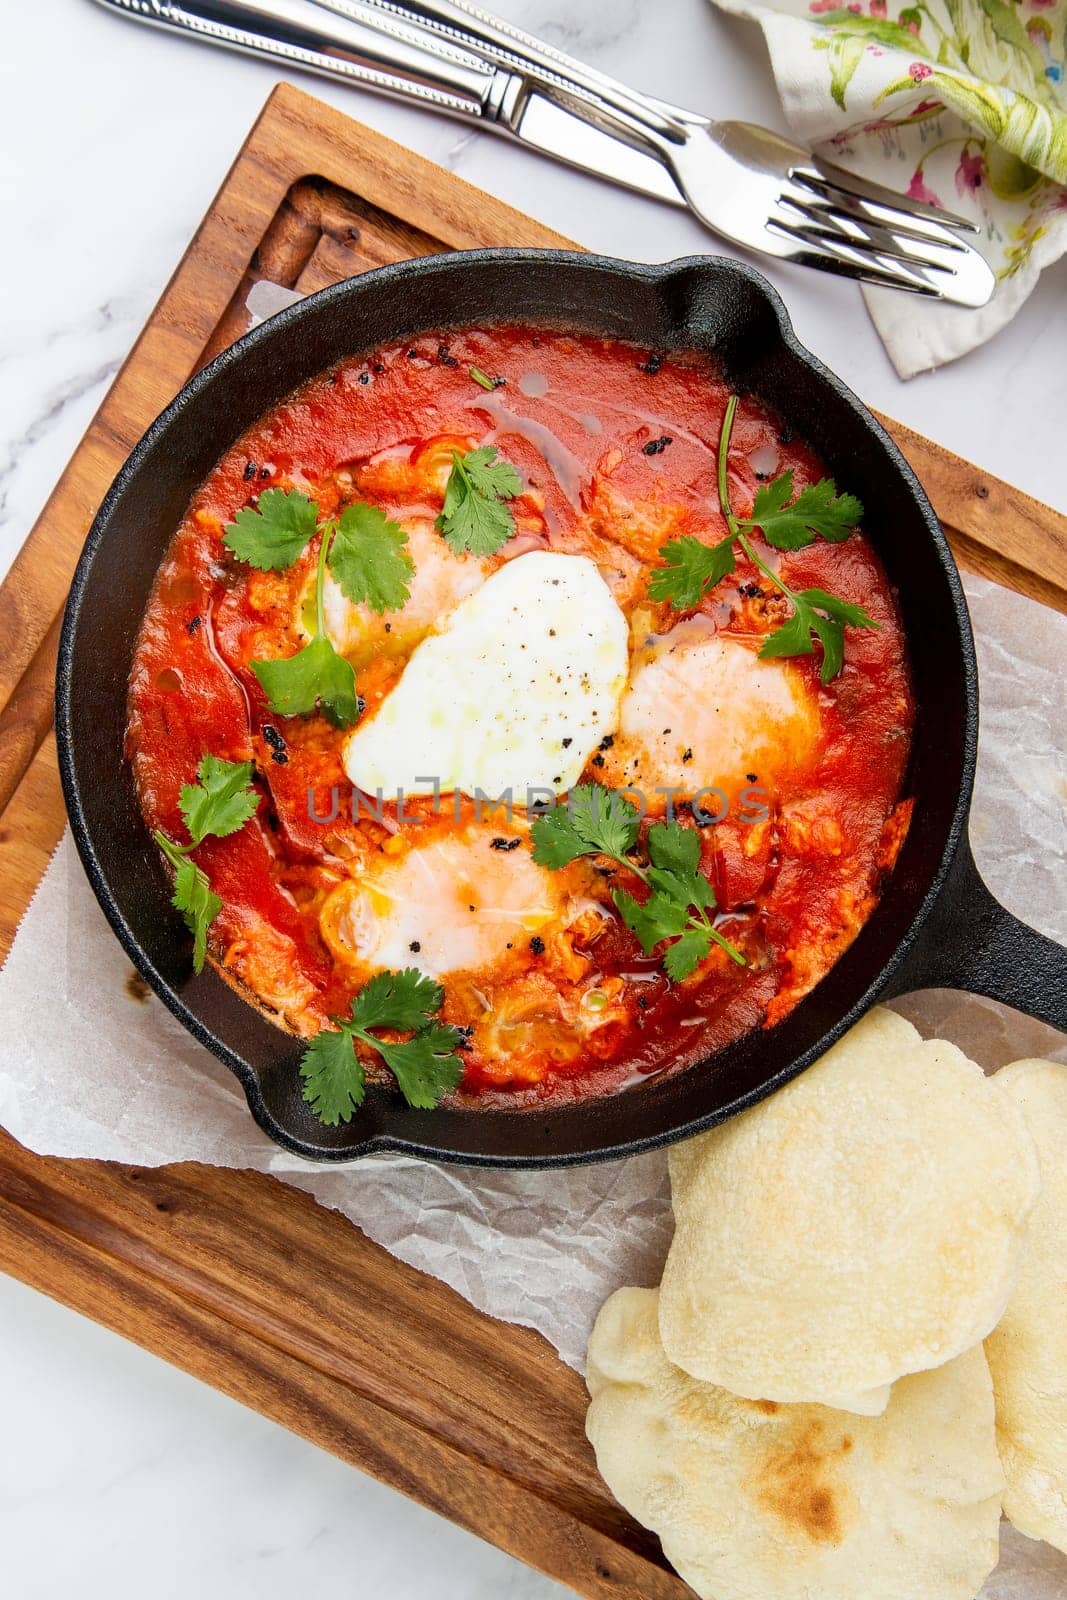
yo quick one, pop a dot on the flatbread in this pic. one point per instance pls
(1028, 1349)
(863, 1223)
(756, 1501)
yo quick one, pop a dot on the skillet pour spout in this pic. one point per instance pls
(935, 923)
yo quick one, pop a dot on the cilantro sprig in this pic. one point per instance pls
(474, 516)
(690, 567)
(218, 804)
(367, 555)
(426, 1066)
(601, 822)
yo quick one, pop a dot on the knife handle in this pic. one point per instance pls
(401, 59)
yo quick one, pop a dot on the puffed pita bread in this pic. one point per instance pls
(1028, 1349)
(756, 1501)
(863, 1223)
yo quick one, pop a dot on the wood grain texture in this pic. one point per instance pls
(315, 1326)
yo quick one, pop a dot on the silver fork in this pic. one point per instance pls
(745, 183)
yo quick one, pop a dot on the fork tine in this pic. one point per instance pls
(852, 260)
(867, 231)
(846, 189)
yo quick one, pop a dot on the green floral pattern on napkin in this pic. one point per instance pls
(961, 103)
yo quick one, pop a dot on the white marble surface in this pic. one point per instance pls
(119, 1475)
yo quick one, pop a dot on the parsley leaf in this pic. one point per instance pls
(601, 822)
(316, 675)
(472, 516)
(333, 1076)
(822, 616)
(690, 569)
(273, 534)
(426, 1066)
(369, 558)
(221, 802)
(817, 512)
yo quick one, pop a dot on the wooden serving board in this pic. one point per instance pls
(312, 1324)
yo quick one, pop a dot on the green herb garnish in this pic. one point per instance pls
(474, 516)
(482, 378)
(219, 804)
(426, 1066)
(601, 822)
(367, 555)
(691, 568)
(370, 560)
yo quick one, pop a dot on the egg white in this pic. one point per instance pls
(512, 692)
(452, 904)
(702, 710)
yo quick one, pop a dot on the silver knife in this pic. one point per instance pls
(390, 55)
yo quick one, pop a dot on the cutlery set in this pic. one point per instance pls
(745, 183)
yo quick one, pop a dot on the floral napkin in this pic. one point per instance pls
(961, 103)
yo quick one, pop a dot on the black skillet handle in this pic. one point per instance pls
(970, 942)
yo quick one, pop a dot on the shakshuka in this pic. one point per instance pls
(542, 667)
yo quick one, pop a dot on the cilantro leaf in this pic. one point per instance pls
(601, 821)
(369, 558)
(817, 512)
(274, 533)
(686, 953)
(822, 616)
(674, 848)
(659, 917)
(401, 1000)
(221, 801)
(426, 1067)
(604, 819)
(472, 516)
(192, 895)
(690, 569)
(595, 821)
(555, 839)
(316, 675)
(334, 1080)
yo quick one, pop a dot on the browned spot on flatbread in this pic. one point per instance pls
(768, 1407)
(798, 1484)
(136, 987)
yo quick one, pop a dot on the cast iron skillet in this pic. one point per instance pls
(936, 924)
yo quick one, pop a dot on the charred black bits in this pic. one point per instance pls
(364, 377)
(598, 761)
(751, 777)
(651, 366)
(567, 743)
(444, 358)
(466, 1034)
(278, 751)
(250, 470)
(378, 368)
(504, 844)
(607, 741)
(413, 355)
(537, 945)
(642, 1002)
(193, 624)
(656, 447)
(265, 472)
(414, 947)
(687, 756)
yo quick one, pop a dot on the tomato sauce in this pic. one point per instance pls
(617, 451)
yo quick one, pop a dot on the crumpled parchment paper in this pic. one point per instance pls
(104, 1071)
